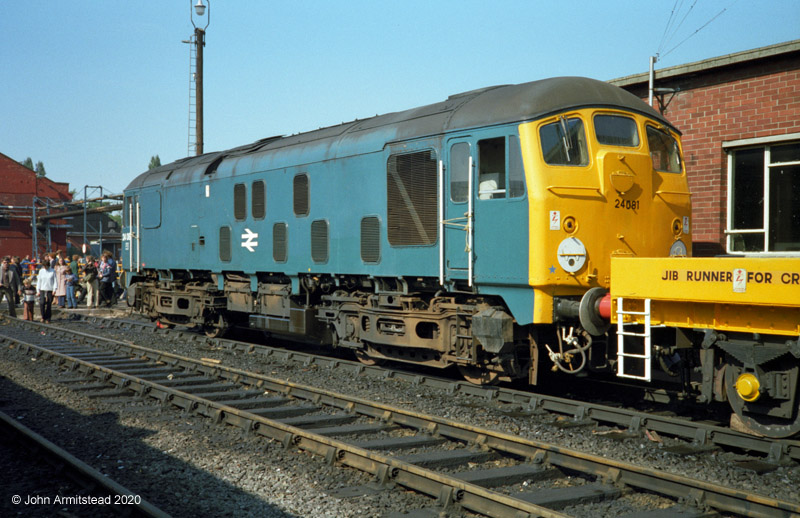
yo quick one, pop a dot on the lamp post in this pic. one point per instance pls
(200, 42)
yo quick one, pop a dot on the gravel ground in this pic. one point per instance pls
(187, 466)
(31, 478)
(196, 455)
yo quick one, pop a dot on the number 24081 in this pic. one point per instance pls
(627, 204)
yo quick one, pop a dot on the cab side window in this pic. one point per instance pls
(664, 151)
(500, 172)
(516, 173)
(492, 168)
(459, 172)
(564, 142)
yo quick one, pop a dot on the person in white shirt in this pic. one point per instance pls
(45, 286)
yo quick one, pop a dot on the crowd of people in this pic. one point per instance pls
(53, 280)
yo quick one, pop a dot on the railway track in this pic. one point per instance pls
(460, 465)
(698, 436)
(96, 491)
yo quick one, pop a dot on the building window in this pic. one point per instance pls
(764, 198)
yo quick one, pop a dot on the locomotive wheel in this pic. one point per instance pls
(215, 326)
(773, 427)
(478, 376)
(366, 359)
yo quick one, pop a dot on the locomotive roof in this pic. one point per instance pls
(478, 108)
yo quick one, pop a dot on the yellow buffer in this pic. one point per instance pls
(749, 294)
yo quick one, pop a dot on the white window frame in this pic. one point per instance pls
(730, 148)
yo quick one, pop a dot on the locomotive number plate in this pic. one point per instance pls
(627, 204)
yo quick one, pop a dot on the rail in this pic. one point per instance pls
(79, 471)
(700, 434)
(245, 399)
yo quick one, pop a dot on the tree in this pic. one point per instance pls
(39, 168)
(155, 161)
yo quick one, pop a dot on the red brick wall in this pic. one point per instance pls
(18, 185)
(751, 100)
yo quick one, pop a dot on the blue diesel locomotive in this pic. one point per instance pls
(473, 232)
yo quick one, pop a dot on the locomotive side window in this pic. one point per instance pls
(370, 239)
(150, 203)
(239, 202)
(301, 202)
(259, 200)
(664, 151)
(459, 172)
(225, 244)
(280, 239)
(614, 130)
(319, 241)
(564, 142)
(516, 174)
(492, 168)
(411, 189)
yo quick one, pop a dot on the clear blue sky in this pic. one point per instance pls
(94, 88)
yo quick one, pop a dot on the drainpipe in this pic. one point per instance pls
(653, 60)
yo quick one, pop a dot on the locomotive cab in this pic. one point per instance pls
(602, 183)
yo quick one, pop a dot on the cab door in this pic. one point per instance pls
(500, 211)
(456, 186)
(131, 231)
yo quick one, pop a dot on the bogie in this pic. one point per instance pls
(412, 328)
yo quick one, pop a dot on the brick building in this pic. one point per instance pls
(18, 187)
(740, 118)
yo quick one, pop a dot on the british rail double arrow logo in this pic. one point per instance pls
(248, 240)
